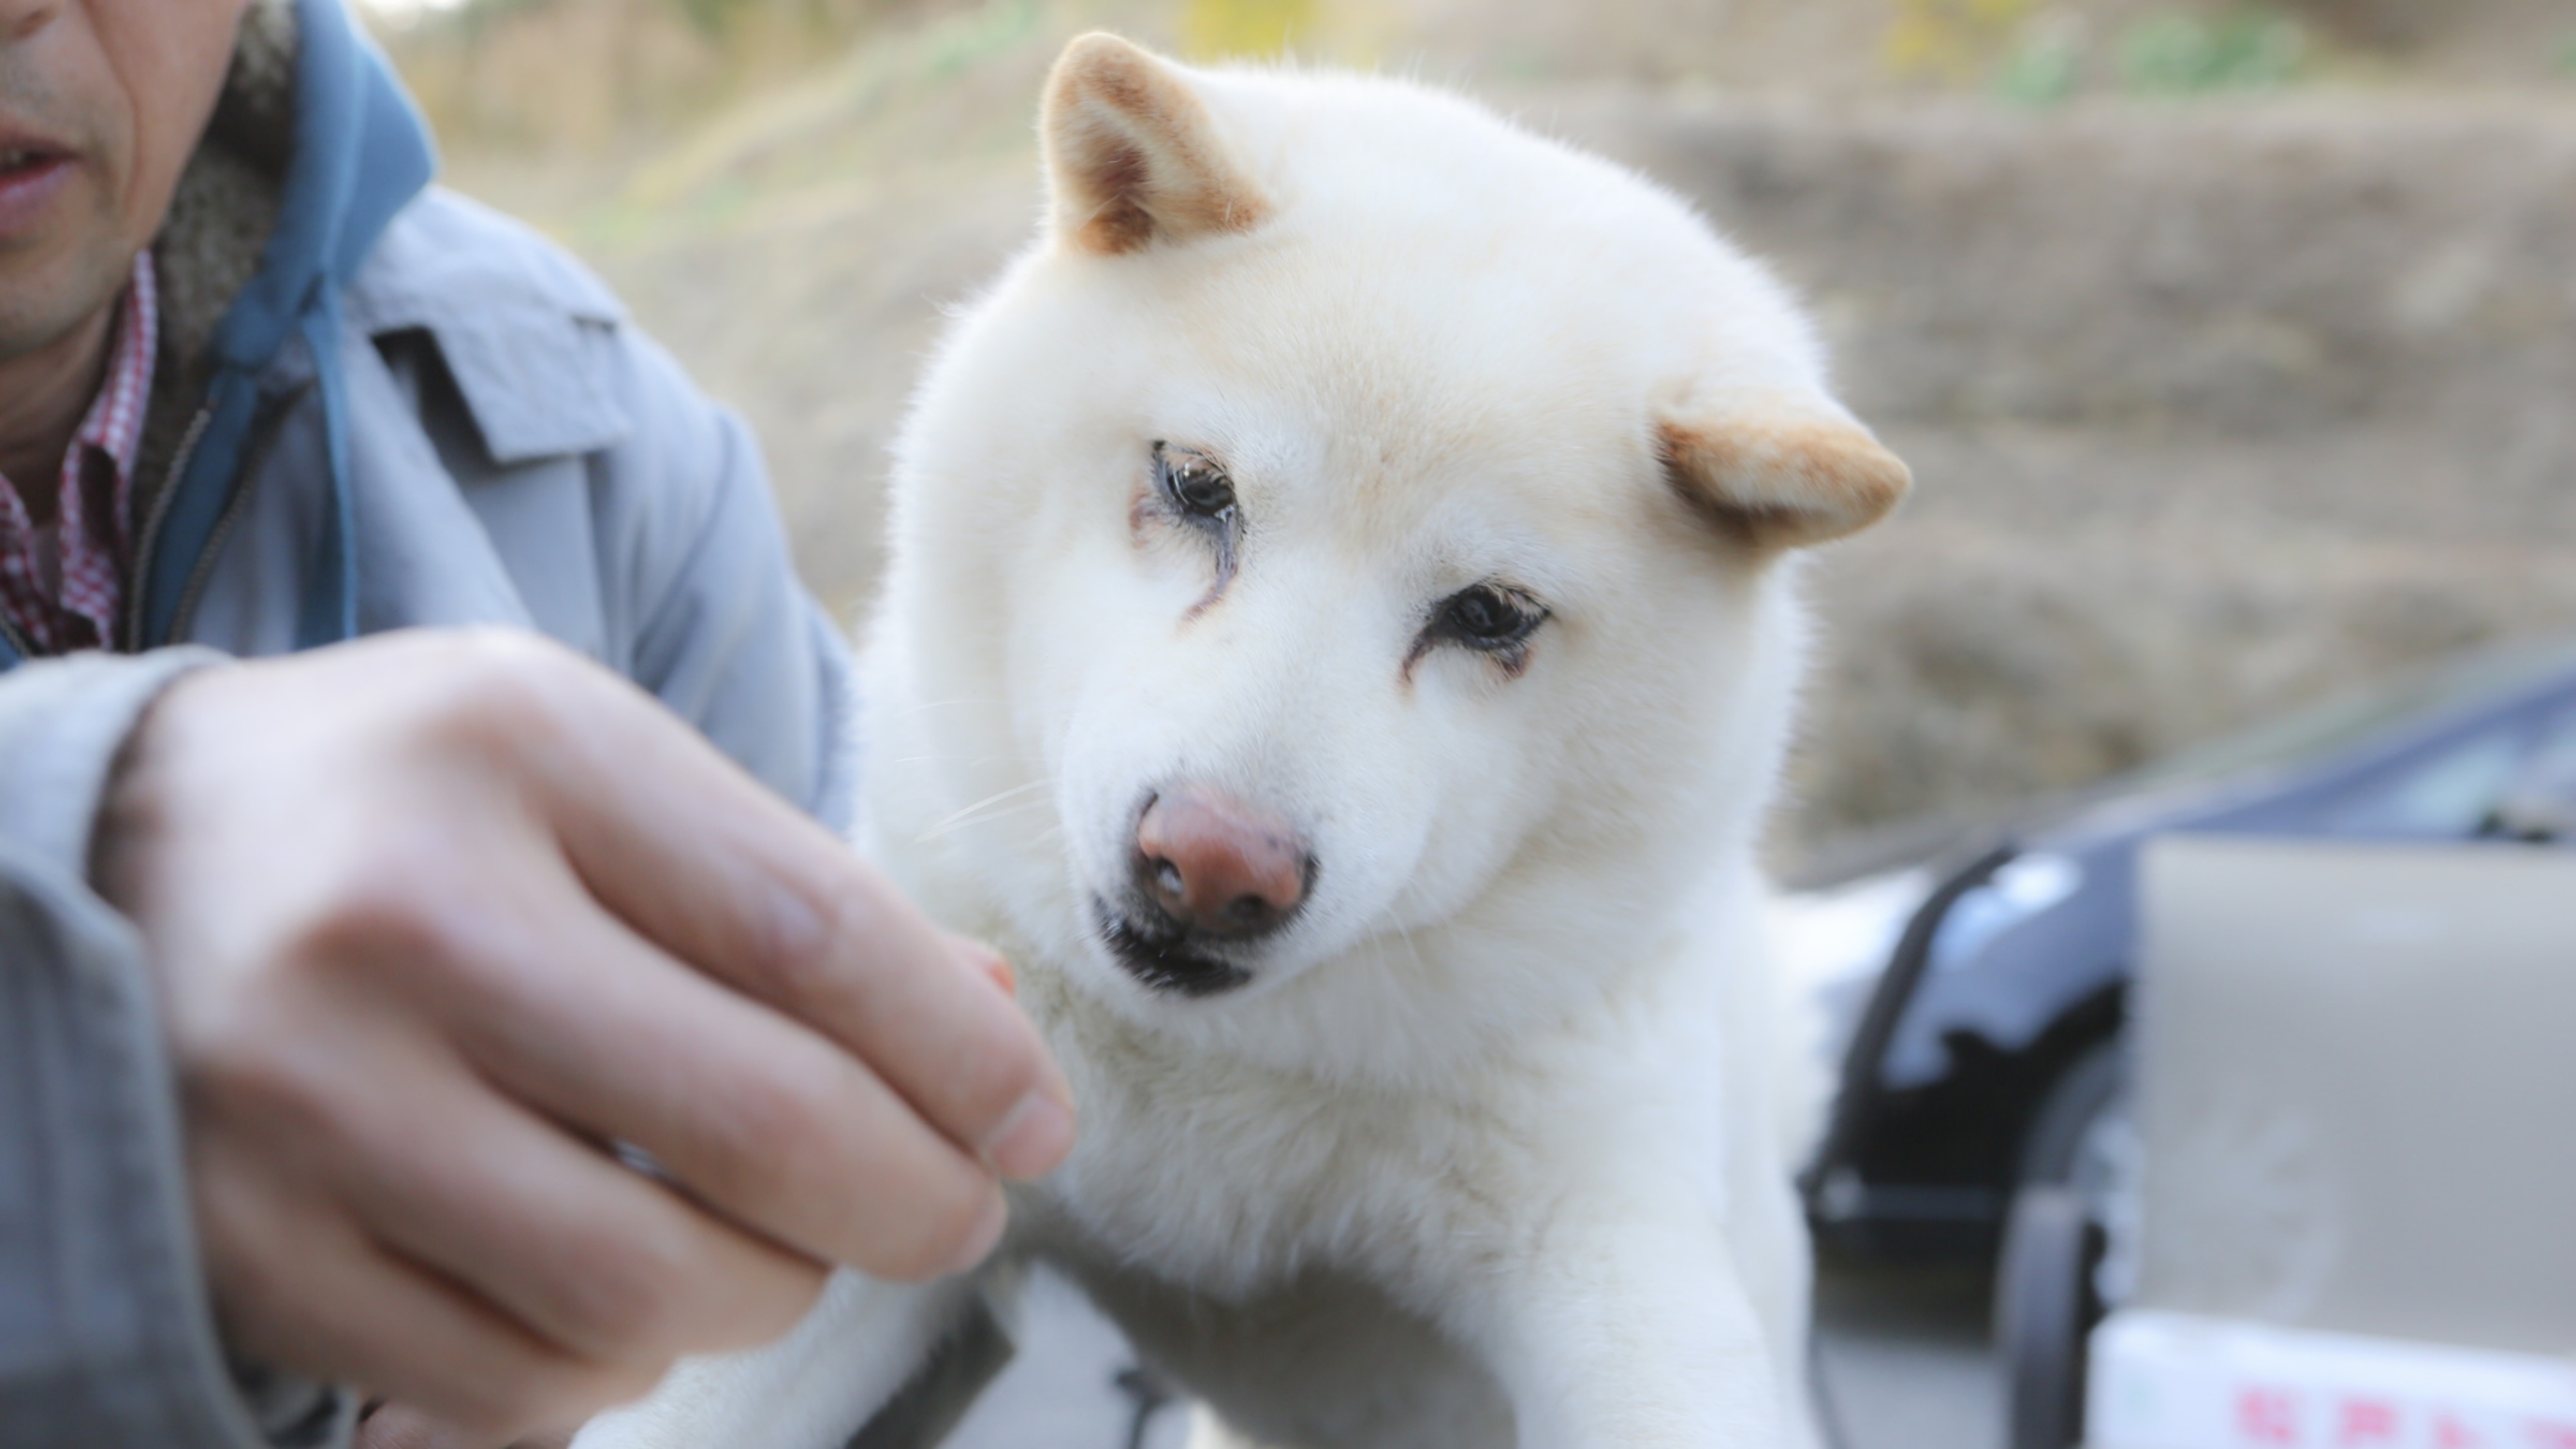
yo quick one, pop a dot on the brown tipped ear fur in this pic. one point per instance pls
(1133, 157)
(1778, 478)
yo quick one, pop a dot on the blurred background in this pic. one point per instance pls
(2233, 346)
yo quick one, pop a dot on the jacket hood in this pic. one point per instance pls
(360, 153)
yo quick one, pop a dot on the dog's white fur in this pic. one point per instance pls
(1486, 1151)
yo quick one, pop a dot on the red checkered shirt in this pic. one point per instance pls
(60, 585)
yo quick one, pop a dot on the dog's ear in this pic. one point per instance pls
(1132, 155)
(1777, 474)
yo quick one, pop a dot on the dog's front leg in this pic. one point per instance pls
(1617, 1329)
(810, 1390)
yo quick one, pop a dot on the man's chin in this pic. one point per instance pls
(56, 289)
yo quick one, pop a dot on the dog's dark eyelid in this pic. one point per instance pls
(1488, 617)
(1193, 482)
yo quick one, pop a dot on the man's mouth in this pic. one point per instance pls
(25, 157)
(30, 178)
(1163, 960)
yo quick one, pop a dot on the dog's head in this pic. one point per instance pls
(1357, 521)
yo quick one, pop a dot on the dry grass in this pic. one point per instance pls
(602, 77)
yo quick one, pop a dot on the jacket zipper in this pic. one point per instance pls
(261, 435)
(187, 452)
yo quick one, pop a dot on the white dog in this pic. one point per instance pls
(1340, 643)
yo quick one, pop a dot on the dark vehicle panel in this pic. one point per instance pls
(2015, 966)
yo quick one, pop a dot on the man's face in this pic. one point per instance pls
(101, 102)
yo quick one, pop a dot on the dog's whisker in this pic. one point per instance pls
(977, 815)
(1393, 913)
(967, 761)
(963, 816)
(924, 706)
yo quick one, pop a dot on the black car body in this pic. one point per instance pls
(2007, 982)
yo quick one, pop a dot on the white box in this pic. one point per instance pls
(2162, 1380)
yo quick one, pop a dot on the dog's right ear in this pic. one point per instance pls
(1132, 155)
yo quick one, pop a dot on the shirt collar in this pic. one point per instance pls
(114, 424)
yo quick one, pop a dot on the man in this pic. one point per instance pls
(434, 1017)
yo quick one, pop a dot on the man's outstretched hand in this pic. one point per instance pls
(437, 919)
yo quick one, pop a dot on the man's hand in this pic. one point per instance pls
(439, 918)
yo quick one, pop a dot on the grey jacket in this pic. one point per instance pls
(377, 407)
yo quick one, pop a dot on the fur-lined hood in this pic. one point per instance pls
(312, 150)
(220, 218)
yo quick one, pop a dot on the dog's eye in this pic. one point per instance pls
(1489, 617)
(1193, 482)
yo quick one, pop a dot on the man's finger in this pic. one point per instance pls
(361, 1315)
(986, 961)
(763, 1118)
(612, 1267)
(677, 840)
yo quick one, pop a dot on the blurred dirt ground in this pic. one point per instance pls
(2234, 347)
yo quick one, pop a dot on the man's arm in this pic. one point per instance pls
(103, 1336)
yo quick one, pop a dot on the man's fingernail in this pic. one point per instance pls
(988, 1233)
(1032, 1138)
(984, 961)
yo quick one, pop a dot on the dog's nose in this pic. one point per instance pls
(1218, 866)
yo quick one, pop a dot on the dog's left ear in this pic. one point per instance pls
(1778, 474)
(1132, 155)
